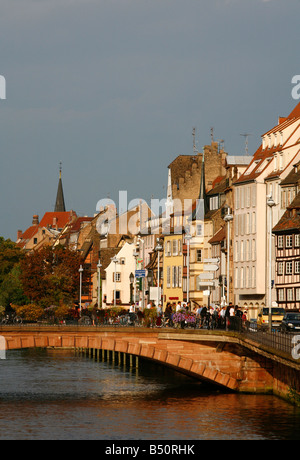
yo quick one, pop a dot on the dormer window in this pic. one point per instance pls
(263, 143)
(270, 143)
(281, 162)
(281, 138)
(275, 140)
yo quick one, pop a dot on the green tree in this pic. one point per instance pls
(11, 289)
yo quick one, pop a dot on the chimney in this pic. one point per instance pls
(19, 235)
(35, 220)
(54, 222)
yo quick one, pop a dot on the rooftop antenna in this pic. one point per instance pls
(212, 134)
(194, 141)
(246, 136)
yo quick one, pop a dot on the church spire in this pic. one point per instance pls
(60, 201)
(201, 204)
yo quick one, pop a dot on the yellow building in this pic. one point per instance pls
(173, 263)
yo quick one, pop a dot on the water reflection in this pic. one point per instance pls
(55, 395)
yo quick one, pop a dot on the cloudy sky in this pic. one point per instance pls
(113, 89)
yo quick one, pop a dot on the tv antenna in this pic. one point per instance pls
(194, 141)
(246, 136)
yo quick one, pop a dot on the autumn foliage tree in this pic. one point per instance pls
(50, 276)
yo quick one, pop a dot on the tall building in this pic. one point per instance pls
(271, 163)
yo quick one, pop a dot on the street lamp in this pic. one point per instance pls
(140, 240)
(80, 287)
(135, 255)
(158, 248)
(228, 218)
(99, 282)
(270, 203)
(115, 261)
(188, 238)
(131, 280)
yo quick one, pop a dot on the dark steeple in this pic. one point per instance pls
(202, 204)
(60, 201)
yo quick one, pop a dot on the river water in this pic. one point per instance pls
(50, 394)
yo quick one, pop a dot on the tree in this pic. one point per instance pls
(11, 289)
(10, 255)
(51, 276)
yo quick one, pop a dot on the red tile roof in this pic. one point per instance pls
(56, 219)
(255, 166)
(219, 236)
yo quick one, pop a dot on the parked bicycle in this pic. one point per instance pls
(11, 319)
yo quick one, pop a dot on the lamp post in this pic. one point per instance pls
(143, 267)
(228, 218)
(131, 280)
(115, 261)
(135, 255)
(158, 248)
(99, 283)
(270, 203)
(80, 286)
(188, 238)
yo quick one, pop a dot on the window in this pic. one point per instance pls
(254, 222)
(118, 277)
(168, 248)
(280, 241)
(289, 241)
(180, 276)
(253, 250)
(253, 276)
(281, 162)
(280, 295)
(179, 247)
(199, 255)
(289, 268)
(237, 198)
(297, 292)
(297, 266)
(175, 248)
(290, 294)
(297, 240)
(122, 261)
(199, 229)
(168, 277)
(280, 268)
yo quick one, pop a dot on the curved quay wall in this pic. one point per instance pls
(221, 358)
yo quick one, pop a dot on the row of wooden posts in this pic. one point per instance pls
(115, 357)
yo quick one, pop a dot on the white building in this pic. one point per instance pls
(118, 278)
(274, 159)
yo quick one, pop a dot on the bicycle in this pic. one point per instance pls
(11, 319)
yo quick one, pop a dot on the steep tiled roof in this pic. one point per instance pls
(258, 163)
(61, 219)
(219, 236)
(291, 218)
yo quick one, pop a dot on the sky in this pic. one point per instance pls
(113, 89)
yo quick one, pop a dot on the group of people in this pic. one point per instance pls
(212, 317)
